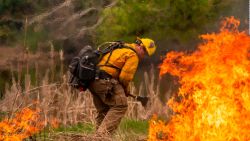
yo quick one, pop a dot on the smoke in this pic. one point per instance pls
(70, 23)
(240, 10)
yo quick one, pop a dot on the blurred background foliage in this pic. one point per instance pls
(173, 19)
(11, 11)
(159, 19)
(13, 14)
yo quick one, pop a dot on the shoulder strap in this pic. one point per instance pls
(109, 46)
(131, 49)
(110, 50)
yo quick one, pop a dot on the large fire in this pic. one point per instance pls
(23, 125)
(213, 102)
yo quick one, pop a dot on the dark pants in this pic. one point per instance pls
(111, 104)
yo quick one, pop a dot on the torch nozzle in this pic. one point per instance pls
(142, 99)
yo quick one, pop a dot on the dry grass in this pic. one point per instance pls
(69, 106)
(80, 137)
(60, 104)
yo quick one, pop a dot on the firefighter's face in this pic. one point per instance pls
(141, 51)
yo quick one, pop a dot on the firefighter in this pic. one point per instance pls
(111, 89)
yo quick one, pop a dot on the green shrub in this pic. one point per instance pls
(174, 19)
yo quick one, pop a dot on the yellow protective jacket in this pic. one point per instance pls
(123, 58)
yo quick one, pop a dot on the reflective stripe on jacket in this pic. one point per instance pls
(124, 61)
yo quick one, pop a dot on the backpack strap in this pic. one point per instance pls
(131, 49)
(118, 45)
(110, 49)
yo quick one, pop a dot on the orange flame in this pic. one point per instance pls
(25, 124)
(54, 122)
(214, 98)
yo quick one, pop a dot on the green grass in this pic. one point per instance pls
(126, 125)
(132, 130)
(78, 128)
(134, 126)
(128, 129)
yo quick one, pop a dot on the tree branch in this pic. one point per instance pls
(77, 16)
(46, 14)
(112, 4)
(84, 29)
(99, 21)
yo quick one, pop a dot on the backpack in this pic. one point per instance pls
(83, 68)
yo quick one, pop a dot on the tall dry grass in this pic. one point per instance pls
(61, 104)
(68, 105)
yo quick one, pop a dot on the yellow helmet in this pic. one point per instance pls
(149, 45)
